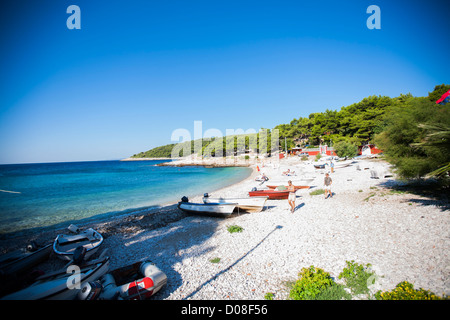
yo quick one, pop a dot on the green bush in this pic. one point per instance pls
(405, 291)
(345, 149)
(234, 228)
(356, 277)
(312, 281)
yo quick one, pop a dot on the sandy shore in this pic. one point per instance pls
(403, 235)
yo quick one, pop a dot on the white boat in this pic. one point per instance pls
(251, 204)
(210, 209)
(62, 285)
(64, 245)
(137, 281)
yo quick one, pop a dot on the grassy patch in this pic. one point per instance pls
(370, 196)
(215, 260)
(317, 192)
(234, 228)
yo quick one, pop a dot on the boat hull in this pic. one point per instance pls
(26, 261)
(272, 194)
(56, 286)
(250, 205)
(138, 281)
(209, 209)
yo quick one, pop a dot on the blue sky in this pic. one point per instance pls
(138, 70)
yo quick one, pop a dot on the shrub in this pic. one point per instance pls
(334, 292)
(345, 149)
(234, 228)
(269, 296)
(356, 277)
(405, 291)
(312, 281)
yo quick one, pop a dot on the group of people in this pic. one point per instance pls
(327, 181)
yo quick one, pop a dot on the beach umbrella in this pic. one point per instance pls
(444, 98)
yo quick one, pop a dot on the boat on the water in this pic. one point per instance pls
(64, 245)
(209, 209)
(296, 187)
(137, 281)
(271, 193)
(64, 284)
(251, 204)
(17, 262)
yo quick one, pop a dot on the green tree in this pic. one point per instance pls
(402, 137)
(345, 149)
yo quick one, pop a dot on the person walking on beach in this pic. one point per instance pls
(332, 166)
(291, 198)
(327, 185)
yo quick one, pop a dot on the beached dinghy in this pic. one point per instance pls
(272, 194)
(253, 204)
(137, 281)
(210, 209)
(20, 261)
(65, 245)
(62, 285)
(320, 166)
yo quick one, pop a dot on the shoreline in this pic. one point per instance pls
(17, 240)
(403, 235)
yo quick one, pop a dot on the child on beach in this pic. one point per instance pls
(327, 185)
(291, 198)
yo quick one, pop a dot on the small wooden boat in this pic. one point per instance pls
(64, 245)
(253, 204)
(296, 187)
(18, 262)
(210, 209)
(272, 194)
(137, 281)
(62, 285)
(320, 166)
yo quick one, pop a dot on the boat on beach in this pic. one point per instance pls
(65, 245)
(18, 262)
(271, 193)
(320, 166)
(209, 209)
(251, 204)
(137, 281)
(61, 285)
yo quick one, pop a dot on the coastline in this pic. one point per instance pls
(144, 159)
(153, 216)
(403, 235)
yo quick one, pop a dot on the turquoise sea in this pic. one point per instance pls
(45, 195)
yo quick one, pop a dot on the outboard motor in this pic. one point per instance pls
(78, 255)
(254, 189)
(206, 195)
(185, 199)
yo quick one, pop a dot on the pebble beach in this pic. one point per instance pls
(404, 236)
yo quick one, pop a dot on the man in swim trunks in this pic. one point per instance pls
(291, 198)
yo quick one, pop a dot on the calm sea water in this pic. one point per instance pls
(36, 196)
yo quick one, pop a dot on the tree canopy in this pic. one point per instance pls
(413, 133)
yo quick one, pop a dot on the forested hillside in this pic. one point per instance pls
(405, 128)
